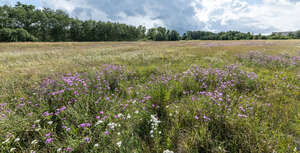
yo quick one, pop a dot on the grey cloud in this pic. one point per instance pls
(174, 14)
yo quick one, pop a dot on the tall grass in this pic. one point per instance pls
(150, 97)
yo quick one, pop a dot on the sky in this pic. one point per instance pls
(256, 16)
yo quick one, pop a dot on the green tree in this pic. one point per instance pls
(173, 35)
(297, 35)
(14, 35)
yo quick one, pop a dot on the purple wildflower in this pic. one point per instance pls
(87, 139)
(69, 149)
(206, 118)
(83, 125)
(48, 134)
(48, 140)
(63, 108)
(242, 116)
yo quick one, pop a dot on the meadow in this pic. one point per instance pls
(150, 97)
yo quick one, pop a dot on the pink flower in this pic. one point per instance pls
(48, 140)
(48, 134)
(83, 125)
(196, 117)
(69, 149)
(106, 133)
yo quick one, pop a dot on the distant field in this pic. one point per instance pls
(185, 96)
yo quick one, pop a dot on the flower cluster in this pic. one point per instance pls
(277, 61)
(154, 125)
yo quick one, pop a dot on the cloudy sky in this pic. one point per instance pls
(257, 16)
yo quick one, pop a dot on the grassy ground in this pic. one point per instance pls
(186, 96)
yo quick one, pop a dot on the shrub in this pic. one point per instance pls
(15, 35)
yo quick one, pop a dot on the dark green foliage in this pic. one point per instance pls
(25, 23)
(13, 35)
(298, 34)
(233, 35)
(199, 35)
(5, 34)
(162, 34)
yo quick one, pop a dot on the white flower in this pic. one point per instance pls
(154, 125)
(12, 149)
(38, 129)
(37, 121)
(34, 142)
(50, 122)
(168, 151)
(128, 116)
(112, 125)
(58, 150)
(119, 143)
(136, 112)
(6, 141)
(32, 151)
(17, 139)
(134, 101)
(119, 133)
(96, 145)
(98, 122)
(120, 115)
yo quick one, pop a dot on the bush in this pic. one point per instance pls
(5, 34)
(15, 35)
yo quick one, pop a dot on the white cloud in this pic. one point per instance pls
(279, 15)
(283, 15)
(137, 20)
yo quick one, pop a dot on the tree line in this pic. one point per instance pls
(236, 35)
(26, 23)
